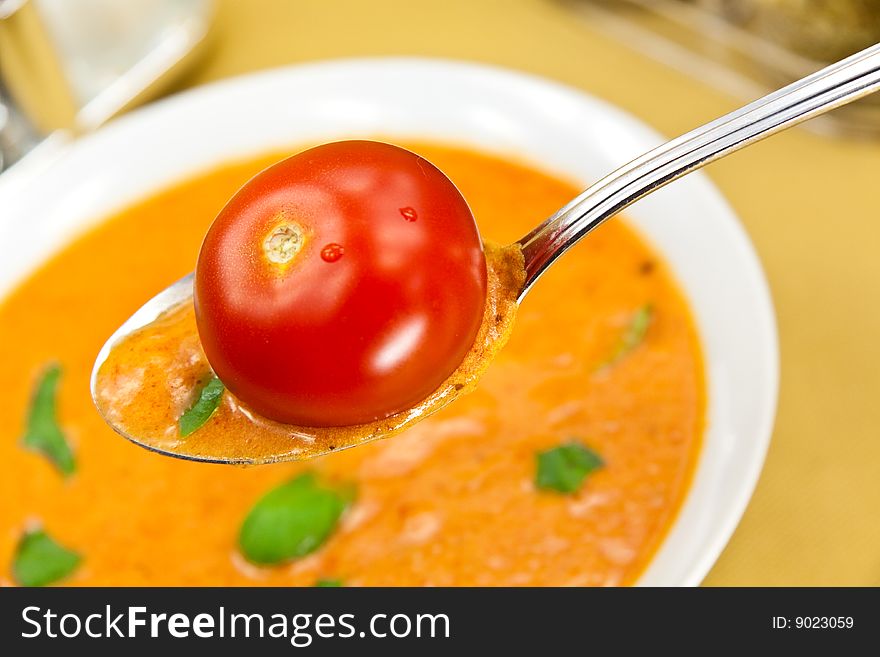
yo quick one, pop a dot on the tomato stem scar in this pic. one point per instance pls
(283, 242)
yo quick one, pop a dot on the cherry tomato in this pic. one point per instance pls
(341, 285)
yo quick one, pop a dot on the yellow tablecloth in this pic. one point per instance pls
(811, 205)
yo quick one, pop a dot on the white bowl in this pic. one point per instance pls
(557, 128)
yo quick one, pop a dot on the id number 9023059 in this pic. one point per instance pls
(813, 622)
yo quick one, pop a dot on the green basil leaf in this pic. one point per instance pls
(43, 433)
(329, 583)
(204, 407)
(292, 520)
(634, 334)
(564, 468)
(40, 561)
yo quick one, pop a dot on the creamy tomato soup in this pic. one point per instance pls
(604, 355)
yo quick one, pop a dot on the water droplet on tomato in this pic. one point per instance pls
(332, 252)
(409, 214)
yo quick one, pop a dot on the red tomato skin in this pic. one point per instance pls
(380, 305)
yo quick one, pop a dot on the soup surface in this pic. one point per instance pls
(452, 501)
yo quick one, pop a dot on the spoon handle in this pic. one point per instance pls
(835, 85)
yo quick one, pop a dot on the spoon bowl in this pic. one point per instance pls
(173, 353)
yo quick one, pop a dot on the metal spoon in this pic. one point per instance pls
(835, 85)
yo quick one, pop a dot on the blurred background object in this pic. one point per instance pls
(748, 47)
(73, 64)
(820, 30)
(70, 65)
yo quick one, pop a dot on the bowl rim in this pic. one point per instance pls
(501, 94)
